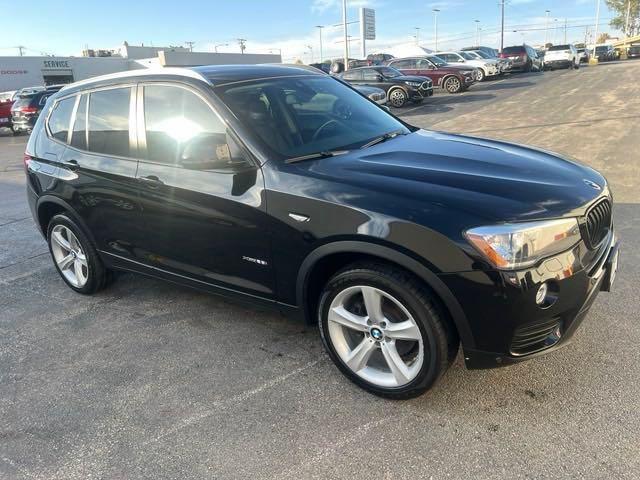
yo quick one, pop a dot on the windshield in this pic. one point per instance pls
(601, 49)
(437, 61)
(467, 56)
(389, 72)
(482, 54)
(298, 116)
(556, 48)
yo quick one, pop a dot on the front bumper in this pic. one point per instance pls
(506, 323)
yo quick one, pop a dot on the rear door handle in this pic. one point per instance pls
(151, 181)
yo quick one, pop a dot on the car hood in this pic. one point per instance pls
(491, 179)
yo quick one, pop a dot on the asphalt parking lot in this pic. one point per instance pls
(150, 380)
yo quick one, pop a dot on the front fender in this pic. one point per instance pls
(393, 256)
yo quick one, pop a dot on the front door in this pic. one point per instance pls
(202, 197)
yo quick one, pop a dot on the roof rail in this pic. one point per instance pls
(185, 72)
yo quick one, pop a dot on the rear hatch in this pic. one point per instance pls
(558, 52)
(24, 107)
(514, 53)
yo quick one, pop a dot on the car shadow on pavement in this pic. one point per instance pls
(508, 85)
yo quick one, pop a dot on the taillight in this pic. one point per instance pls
(27, 109)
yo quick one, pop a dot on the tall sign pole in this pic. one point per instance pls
(346, 40)
(546, 29)
(502, 27)
(367, 29)
(435, 27)
(320, 27)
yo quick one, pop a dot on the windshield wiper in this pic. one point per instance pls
(311, 156)
(383, 138)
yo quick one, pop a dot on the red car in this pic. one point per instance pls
(452, 78)
(5, 113)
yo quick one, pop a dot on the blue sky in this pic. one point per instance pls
(64, 27)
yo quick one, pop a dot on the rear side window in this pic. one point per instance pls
(179, 124)
(559, 47)
(370, 75)
(400, 64)
(109, 122)
(79, 135)
(352, 75)
(61, 118)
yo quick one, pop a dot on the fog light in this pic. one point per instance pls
(541, 295)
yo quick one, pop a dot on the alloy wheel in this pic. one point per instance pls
(375, 336)
(397, 98)
(453, 85)
(69, 256)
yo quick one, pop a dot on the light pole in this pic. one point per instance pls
(435, 26)
(320, 27)
(477, 32)
(215, 47)
(417, 35)
(595, 32)
(346, 40)
(546, 28)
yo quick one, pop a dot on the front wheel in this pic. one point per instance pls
(452, 85)
(384, 332)
(398, 97)
(480, 75)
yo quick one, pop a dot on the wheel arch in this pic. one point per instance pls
(48, 206)
(340, 251)
(448, 76)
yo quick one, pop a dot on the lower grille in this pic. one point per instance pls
(533, 338)
(598, 222)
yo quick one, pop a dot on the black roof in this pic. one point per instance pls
(220, 74)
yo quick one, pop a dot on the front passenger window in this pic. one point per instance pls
(183, 131)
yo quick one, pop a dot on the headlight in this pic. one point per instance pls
(517, 245)
(467, 72)
(413, 84)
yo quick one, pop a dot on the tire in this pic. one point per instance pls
(576, 65)
(452, 85)
(89, 273)
(398, 97)
(379, 356)
(481, 75)
(528, 66)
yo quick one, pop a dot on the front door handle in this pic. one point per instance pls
(151, 181)
(71, 164)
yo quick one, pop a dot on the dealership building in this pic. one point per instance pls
(28, 71)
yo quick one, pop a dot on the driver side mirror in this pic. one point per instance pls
(207, 152)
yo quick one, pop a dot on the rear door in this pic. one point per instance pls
(202, 195)
(99, 168)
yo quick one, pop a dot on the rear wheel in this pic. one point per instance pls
(75, 257)
(384, 332)
(452, 85)
(398, 98)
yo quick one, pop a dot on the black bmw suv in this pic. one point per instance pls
(285, 187)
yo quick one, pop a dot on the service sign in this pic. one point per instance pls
(368, 19)
(55, 64)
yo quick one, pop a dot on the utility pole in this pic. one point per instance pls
(346, 40)
(21, 49)
(477, 32)
(435, 26)
(546, 28)
(215, 47)
(320, 27)
(502, 26)
(243, 44)
(595, 32)
(417, 35)
(190, 45)
(565, 29)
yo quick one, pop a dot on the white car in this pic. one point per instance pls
(561, 56)
(484, 68)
